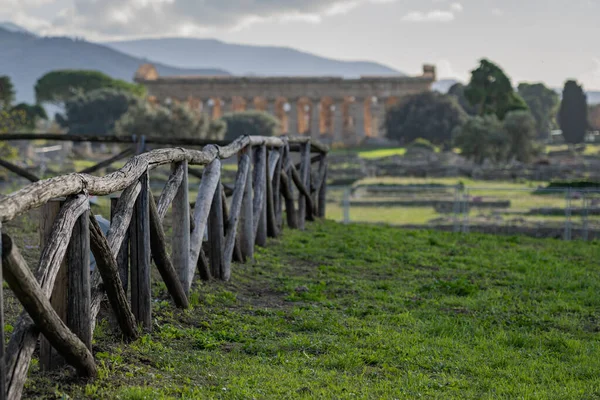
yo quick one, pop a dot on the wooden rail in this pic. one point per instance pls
(264, 181)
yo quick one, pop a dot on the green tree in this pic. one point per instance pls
(492, 92)
(481, 138)
(57, 87)
(572, 115)
(543, 103)
(31, 114)
(429, 115)
(253, 123)
(175, 120)
(96, 112)
(7, 92)
(520, 128)
(458, 91)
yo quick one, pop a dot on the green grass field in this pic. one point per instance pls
(366, 312)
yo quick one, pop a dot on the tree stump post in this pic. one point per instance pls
(216, 233)
(123, 254)
(139, 231)
(79, 291)
(180, 242)
(49, 357)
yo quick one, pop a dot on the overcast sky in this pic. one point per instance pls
(533, 40)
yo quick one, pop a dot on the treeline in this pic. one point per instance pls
(489, 120)
(95, 103)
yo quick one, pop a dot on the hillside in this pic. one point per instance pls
(25, 58)
(245, 59)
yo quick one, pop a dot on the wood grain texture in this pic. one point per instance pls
(141, 294)
(234, 214)
(122, 214)
(30, 294)
(210, 180)
(109, 270)
(171, 189)
(246, 212)
(122, 256)
(216, 232)
(180, 239)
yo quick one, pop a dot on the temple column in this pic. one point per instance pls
(377, 117)
(359, 119)
(338, 120)
(315, 115)
(250, 104)
(293, 117)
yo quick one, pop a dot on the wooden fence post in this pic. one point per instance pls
(277, 189)
(216, 234)
(49, 357)
(79, 292)
(273, 160)
(123, 254)
(180, 244)
(305, 178)
(2, 347)
(259, 209)
(287, 185)
(322, 190)
(141, 301)
(246, 216)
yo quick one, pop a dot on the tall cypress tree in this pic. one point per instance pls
(573, 113)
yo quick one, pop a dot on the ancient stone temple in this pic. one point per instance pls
(330, 109)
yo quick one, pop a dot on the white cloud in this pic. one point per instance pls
(431, 16)
(497, 12)
(591, 78)
(456, 7)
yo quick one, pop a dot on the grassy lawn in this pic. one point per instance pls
(367, 312)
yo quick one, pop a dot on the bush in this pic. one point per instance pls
(252, 123)
(421, 145)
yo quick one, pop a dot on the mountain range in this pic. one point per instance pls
(245, 59)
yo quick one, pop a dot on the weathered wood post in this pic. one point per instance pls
(49, 357)
(123, 254)
(180, 243)
(305, 178)
(277, 189)
(2, 350)
(259, 208)
(322, 190)
(79, 291)
(216, 234)
(236, 206)
(141, 295)
(273, 160)
(287, 190)
(246, 216)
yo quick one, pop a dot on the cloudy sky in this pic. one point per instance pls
(533, 40)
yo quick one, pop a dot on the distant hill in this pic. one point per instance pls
(26, 57)
(245, 59)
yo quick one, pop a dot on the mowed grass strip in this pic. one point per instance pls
(368, 312)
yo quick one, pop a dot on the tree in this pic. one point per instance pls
(96, 112)
(176, 120)
(481, 138)
(253, 123)
(543, 103)
(458, 91)
(7, 92)
(572, 115)
(429, 115)
(594, 117)
(31, 114)
(520, 128)
(492, 92)
(57, 87)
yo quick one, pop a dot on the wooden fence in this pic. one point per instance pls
(65, 312)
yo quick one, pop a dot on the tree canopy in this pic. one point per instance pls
(96, 112)
(572, 115)
(458, 91)
(520, 127)
(58, 86)
(429, 115)
(175, 120)
(543, 103)
(7, 92)
(491, 91)
(253, 123)
(30, 113)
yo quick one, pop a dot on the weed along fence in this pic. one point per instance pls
(62, 303)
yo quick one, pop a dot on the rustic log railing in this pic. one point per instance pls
(62, 298)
